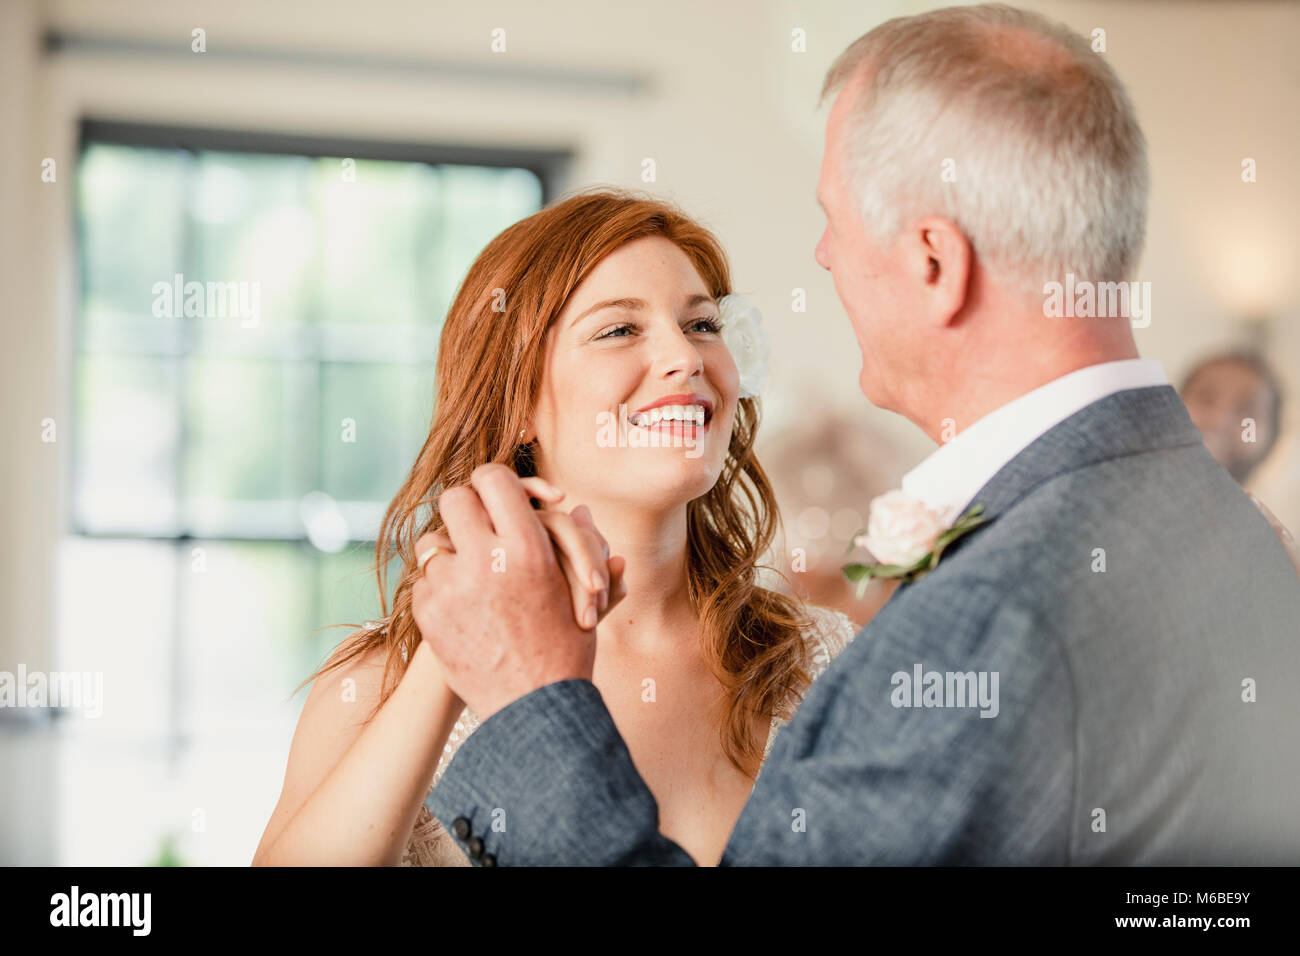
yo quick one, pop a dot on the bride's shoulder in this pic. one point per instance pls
(831, 632)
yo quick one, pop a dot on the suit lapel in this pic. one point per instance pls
(1126, 423)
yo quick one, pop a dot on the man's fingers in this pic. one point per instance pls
(466, 519)
(506, 501)
(427, 543)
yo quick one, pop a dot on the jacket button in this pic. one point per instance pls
(476, 847)
(489, 860)
(460, 826)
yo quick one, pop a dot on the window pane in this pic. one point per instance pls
(254, 237)
(378, 236)
(125, 445)
(479, 202)
(324, 262)
(348, 597)
(247, 607)
(226, 428)
(118, 618)
(248, 459)
(373, 424)
(132, 218)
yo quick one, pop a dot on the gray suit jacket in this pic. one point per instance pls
(1147, 713)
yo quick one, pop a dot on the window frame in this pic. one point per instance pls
(548, 165)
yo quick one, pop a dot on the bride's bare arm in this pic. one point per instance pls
(352, 790)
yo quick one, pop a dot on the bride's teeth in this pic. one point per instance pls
(688, 414)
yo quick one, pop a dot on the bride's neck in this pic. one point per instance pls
(657, 610)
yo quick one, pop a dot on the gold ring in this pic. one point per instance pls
(424, 558)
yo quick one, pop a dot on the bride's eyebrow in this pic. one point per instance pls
(636, 305)
(629, 305)
(698, 299)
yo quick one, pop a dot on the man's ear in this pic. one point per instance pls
(941, 256)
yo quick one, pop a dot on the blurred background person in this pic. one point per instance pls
(1235, 399)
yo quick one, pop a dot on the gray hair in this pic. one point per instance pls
(1048, 161)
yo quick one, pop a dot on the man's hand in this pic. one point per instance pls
(497, 609)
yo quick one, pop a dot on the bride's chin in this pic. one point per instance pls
(662, 486)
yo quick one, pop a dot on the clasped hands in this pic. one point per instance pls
(511, 599)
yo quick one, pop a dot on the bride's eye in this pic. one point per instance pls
(611, 333)
(710, 325)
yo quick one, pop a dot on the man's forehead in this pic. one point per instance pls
(831, 145)
(841, 107)
(851, 89)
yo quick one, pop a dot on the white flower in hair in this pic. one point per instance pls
(745, 338)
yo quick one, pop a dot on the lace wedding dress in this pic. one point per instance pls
(431, 845)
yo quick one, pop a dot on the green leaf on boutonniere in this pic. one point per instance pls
(861, 574)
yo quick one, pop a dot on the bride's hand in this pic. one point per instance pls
(595, 579)
(1286, 537)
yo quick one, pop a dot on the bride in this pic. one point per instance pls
(590, 349)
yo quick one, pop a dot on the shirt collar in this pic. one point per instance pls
(950, 477)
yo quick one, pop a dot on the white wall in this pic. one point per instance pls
(29, 480)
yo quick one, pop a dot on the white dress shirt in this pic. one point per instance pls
(950, 477)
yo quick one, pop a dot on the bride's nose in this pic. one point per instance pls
(678, 356)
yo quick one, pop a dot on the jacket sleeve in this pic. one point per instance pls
(549, 781)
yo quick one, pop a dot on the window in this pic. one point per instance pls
(253, 376)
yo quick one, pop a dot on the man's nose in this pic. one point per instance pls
(820, 252)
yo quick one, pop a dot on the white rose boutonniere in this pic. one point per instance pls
(906, 537)
(745, 338)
